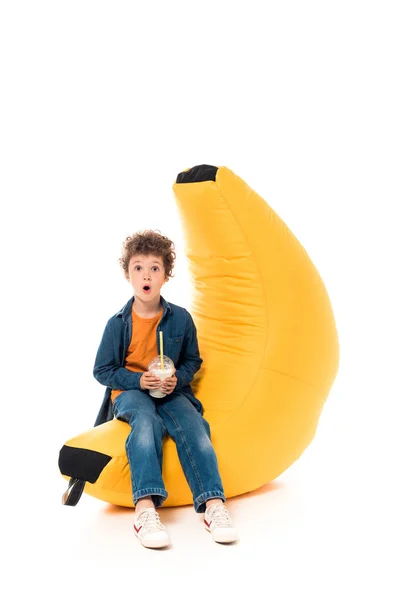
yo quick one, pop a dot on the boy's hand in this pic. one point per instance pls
(169, 384)
(148, 381)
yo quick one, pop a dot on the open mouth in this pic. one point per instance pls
(146, 289)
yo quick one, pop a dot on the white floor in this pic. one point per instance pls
(327, 528)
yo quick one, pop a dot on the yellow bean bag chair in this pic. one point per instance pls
(267, 337)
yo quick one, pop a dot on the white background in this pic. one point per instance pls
(102, 105)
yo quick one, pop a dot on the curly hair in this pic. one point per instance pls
(148, 242)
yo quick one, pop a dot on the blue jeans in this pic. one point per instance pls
(150, 420)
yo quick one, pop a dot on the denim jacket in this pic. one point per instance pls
(179, 344)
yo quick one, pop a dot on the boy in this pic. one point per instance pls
(129, 343)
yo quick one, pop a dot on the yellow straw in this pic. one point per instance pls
(161, 351)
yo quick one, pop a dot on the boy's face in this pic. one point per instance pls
(146, 272)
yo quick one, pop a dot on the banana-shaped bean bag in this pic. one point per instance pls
(267, 337)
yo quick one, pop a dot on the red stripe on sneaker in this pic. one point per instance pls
(208, 524)
(137, 530)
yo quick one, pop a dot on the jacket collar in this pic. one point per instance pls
(126, 311)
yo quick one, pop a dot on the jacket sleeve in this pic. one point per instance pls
(191, 361)
(107, 371)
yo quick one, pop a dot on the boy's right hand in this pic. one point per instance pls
(148, 381)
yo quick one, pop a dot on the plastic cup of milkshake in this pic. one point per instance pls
(162, 373)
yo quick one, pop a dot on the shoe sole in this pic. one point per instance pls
(220, 538)
(153, 543)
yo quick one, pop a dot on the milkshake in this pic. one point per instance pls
(155, 368)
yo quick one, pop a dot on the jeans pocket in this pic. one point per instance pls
(114, 407)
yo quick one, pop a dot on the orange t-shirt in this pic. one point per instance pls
(143, 346)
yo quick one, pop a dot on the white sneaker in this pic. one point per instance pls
(218, 522)
(149, 529)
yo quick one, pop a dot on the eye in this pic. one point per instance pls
(139, 267)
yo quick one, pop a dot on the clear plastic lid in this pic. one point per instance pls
(155, 364)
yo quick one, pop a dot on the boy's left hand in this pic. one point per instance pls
(169, 384)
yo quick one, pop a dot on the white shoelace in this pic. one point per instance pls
(150, 520)
(220, 516)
